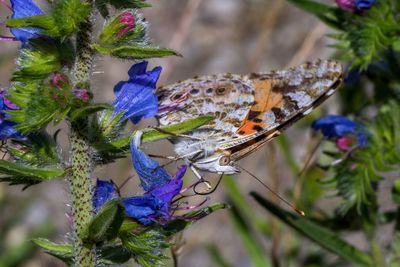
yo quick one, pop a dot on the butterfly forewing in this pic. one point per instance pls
(247, 107)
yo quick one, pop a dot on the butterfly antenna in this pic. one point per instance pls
(299, 211)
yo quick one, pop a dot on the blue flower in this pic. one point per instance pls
(335, 126)
(7, 128)
(155, 205)
(150, 173)
(354, 5)
(364, 4)
(103, 192)
(136, 97)
(22, 9)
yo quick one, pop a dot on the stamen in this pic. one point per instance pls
(193, 206)
(7, 38)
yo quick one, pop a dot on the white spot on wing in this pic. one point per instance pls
(308, 111)
(301, 98)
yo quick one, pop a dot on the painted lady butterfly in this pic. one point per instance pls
(249, 110)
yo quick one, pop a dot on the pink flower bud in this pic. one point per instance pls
(58, 79)
(347, 5)
(344, 143)
(128, 19)
(81, 94)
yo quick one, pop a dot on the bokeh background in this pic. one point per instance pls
(214, 36)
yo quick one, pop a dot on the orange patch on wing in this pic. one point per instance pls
(265, 99)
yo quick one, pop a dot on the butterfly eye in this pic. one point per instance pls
(220, 90)
(224, 160)
(178, 97)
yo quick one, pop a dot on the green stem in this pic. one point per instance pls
(80, 180)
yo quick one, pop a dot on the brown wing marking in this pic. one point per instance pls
(265, 99)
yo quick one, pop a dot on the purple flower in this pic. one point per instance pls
(354, 5)
(136, 97)
(103, 192)
(22, 9)
(335, 127)
(7, 128)
(150, 173)
(155, 205)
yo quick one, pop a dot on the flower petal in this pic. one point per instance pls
(136, 97)
(168, 191)
(22, 9)
(141, 208)
(150, 173)
(364, 4)
(7, 130)
(334, 125)
(104, 191)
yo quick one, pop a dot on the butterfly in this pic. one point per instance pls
(248, 110)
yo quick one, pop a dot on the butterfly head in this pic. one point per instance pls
(218, 162)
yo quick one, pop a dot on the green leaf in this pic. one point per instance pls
(41, 174)
(40, 107)
(320, 235)
(254, 249)
(217, 257)
(37, 60)
(179, 128)
(396, 192)
(327, 14)
(69, 15)
(117, 254)
(38, 150)
(146, 247)
(136, 52)
(243, 206)
(101, 5)
(121, 4)
(88, 110)
(106, 223)
(63, 252)
(45, 22)
(107, 151)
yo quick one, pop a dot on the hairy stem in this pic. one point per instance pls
(80, 180)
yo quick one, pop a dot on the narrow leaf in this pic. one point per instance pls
(88, 110)
(180, 128)
(60, 251)
(136, 52)
(10, 168)
(320, 235)
(151, 135)
(254, 249)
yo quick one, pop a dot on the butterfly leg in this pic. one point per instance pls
(201, 179)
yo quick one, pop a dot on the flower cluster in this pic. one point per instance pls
(155, 205)
(342, 130)
(355, 5)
